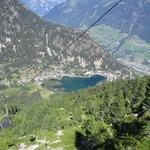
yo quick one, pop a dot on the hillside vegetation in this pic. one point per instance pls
(113, 115)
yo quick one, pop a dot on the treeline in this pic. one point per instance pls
(113, 115)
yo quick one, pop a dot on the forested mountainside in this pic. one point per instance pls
(27, 41)
(130, 16)
(41, 7)
(114, 115)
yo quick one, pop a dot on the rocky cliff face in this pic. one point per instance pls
(132, 16)
(41, 7)
(26, 40)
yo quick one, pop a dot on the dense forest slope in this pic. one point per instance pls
(113, 115)
(27, 40)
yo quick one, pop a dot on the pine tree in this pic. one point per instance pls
(147, 99)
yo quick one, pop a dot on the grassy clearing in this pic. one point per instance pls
(48, 139)
(136, 47)
(107, 36)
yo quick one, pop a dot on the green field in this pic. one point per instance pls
(107, 36)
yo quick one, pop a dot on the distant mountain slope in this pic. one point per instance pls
(41, 7)
(26, 40)
(130, 16)
(124, 32)
(130, 50)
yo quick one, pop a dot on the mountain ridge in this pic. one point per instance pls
(129, 19)
(41, 7)
(130, 16)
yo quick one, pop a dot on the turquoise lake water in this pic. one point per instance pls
(77, 83)
(68, 84)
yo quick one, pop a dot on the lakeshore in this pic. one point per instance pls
(73, 83)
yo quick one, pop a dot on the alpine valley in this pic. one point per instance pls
(63, 91)
(124, 32)
(28, 43)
